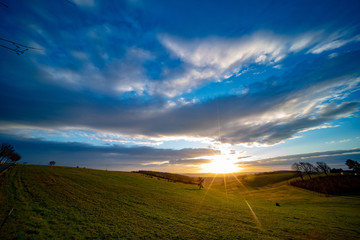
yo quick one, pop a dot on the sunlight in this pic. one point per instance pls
(224, 163)
(220, 166)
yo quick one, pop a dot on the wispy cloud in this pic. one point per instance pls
(334, 41)
(215, 58)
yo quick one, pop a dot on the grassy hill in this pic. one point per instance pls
(263, 179)
(74, 203)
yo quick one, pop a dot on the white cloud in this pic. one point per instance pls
(121, 75)
(216, 59)
(303, 41)
(333, 41)
(222, 54)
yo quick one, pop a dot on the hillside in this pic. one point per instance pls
(74, 203)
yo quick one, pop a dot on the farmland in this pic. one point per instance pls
(75, 203)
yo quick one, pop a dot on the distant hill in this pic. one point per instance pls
(268, 178)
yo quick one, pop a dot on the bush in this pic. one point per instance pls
(335, 184)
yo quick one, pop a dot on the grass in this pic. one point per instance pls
(74, 203)
(262, 179)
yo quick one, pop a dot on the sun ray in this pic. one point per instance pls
(253, 213)
(247, 203)
(227, 197)
(242, 185)
(204, 196)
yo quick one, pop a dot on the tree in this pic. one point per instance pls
(200, 182)
(298, 169)
(308, 168)
(322, 167)
(354, 165)
(15, 157)
(52, 163)
(336, 170)
(6, 151)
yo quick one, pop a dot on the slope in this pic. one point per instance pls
(72, 203)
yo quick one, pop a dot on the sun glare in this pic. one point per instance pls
(226, 162)
(220, 166)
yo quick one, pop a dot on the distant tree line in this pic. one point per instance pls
(307, 169)
(8, 154)
(328, 183)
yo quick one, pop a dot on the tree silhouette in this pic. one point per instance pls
(323, 167)
(15, 157)
(308, 168)
(7, 152)
(298, 169)
(354, 165)
(200, 182)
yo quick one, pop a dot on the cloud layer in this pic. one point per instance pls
(142, 73)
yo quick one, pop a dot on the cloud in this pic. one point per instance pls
(334, 158)
(111, 156)
(101, 78)
(190, 161)
(270, 112)
(334, 41)
(119, 76)
(214, 58)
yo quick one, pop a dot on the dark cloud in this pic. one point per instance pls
(37, 151)
(334, 159)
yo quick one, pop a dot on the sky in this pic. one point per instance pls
(181, 86)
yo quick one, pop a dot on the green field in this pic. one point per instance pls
(74, 203)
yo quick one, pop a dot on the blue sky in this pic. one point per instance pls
(174, 85)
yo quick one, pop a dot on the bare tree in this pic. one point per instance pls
(5, 152)
(323, 167)
(298, 169)
(308, 168)
(200, 182)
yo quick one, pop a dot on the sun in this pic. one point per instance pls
(225, 162)
(220, 165)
